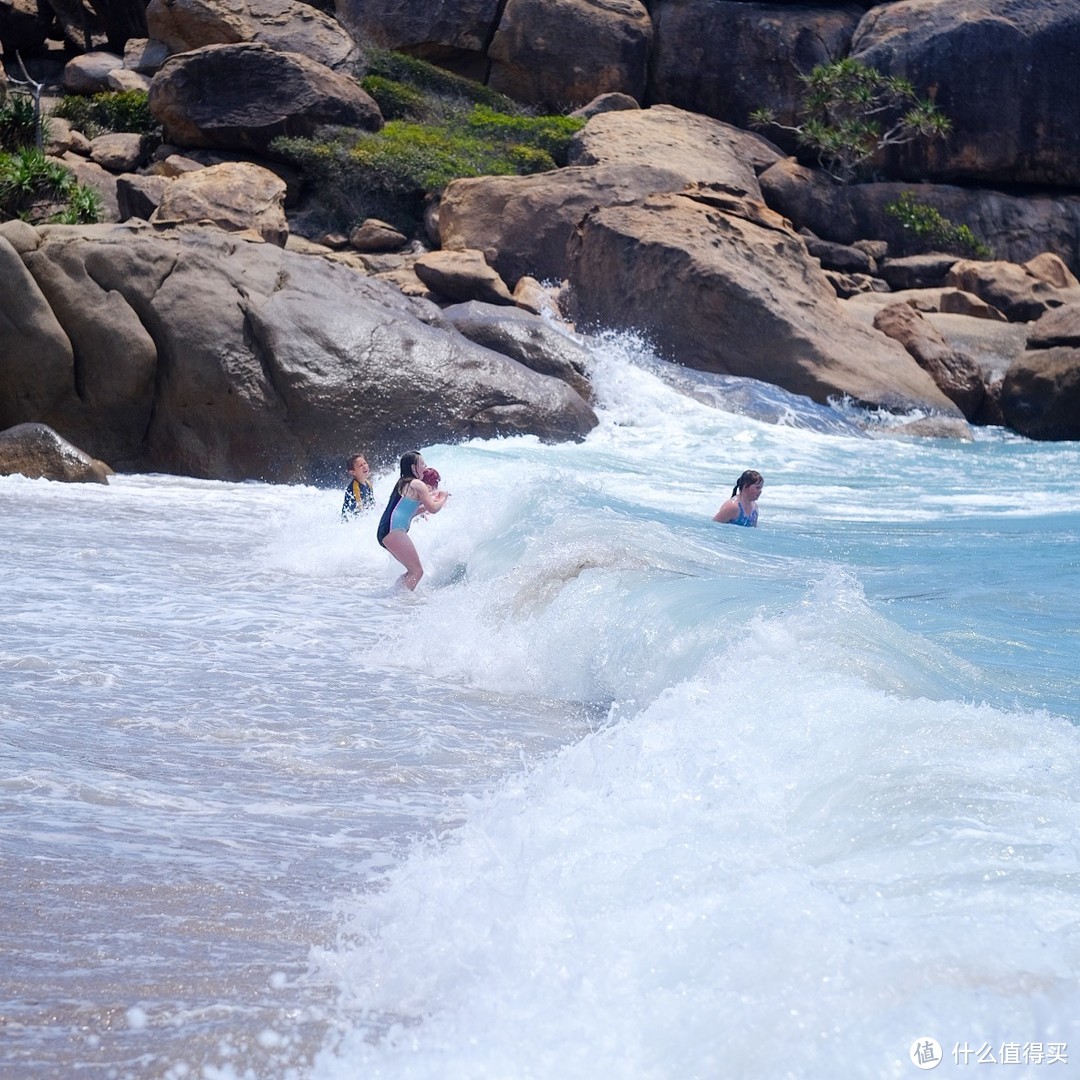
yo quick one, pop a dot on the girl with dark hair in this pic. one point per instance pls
(741, 508)
(410, 497)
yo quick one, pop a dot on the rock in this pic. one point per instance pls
(613, 102)
(241, 97)
(89, 73)
(59, 136)
(1051, 269)
(234, 196)
(726, 58)
(461, 276)
(453, 32)
(1009, 288)
(918, 271)
(145, 55)
(523, 223)
(118, 152)
(846, 285)
(1040, 396)
(957, 376)
(698, 148)
(1014, 227)
(559, 54)
(375, 235)
(90, 174)
(1001, 70)
(120, 79)
(531, 295)
(840, 257)
(37, 365)
(176, 165)
(23, 26)
(719, 293)
(138, 196)
(266, 361)
(37, 452)
(285, 25)
(1059, 326)
(528, 339)
(114, 355)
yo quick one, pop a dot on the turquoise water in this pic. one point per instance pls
(620, 792)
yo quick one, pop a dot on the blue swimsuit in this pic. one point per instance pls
(397, 515)
(744, 519)
(402, 514)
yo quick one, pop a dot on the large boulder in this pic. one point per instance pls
(460, 276)
(286, 25)
(1058, 326)
(957, 375)
(726, 58)
(1004, 72)
(1014, 290)
(23, 26)
(523, 223)
(242, 97)
(559, 54)
(700, 149)
(1040, 396)
(233, 196)
(37, 364)
(715, 291)
(265, 362)
(38, 452)
(453, 33)
(1015, 227)
(530, 340)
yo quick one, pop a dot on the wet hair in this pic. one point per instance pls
(431, 477)
(751, 476)
(354, 459)
(409, 460)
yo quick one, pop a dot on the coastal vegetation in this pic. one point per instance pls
(440, 128)
(34, 187)
(109, 111)
(850, 113)
(926, 229)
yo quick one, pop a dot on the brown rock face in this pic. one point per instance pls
(720, 293)
(453, 33)
(1014, 227)
(559, 54)
(201, 353)
(1004, 71)
(1040, 396)
(462, 276)
(956, 375)
(241, 97)
(286, 25)
(232, 196)
(726, 58)
(36, 451)
(1009, 288)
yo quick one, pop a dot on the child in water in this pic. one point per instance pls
(411, 496)
(359, 495)
(741, 508)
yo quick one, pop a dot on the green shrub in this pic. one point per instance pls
(36, 189)
(435, 82)
(389, 174)
(396, 100)
(926, 229)
(111, 111)
(17, 123)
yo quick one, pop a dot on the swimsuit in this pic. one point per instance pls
(397, 515)
(358, 497)
(402, 514)
(744, 519)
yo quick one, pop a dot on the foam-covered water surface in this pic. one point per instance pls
(618, 792)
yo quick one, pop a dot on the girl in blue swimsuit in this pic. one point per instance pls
(741, 508)
(409, 497)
